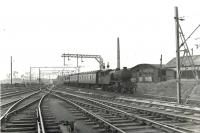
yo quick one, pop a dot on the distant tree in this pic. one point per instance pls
(15, 74)
(8, 76)
(22, 76)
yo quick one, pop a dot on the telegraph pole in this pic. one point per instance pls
(64, 60)
(11, 69)
(30, 75)
(39, 76)
(78, 69)
(118, 54)
(177, 57)
(77, 63)
(192, 51)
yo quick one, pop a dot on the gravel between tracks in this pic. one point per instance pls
(61, 111)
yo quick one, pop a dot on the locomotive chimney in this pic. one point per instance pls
(118, 54)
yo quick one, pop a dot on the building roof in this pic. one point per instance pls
(157, 66)
(185, 61)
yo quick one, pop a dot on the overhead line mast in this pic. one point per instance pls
(178, 84)
(180, 35)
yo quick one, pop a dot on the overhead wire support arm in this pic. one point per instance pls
(97, 57)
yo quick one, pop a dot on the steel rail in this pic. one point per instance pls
(130, 107)
(8, 93)
(8, 103)
(15, 94)
(14, 105)
(159, 103)
(40, 115)
(91, 114)
(21, 108)
(38, 122)
(173, 106)
(139, 108)
(166, 98)
(165, 127)
(177, 127)
(196, 119)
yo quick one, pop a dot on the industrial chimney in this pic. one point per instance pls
(118, 54)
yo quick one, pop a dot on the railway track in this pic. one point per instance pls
(9, 103)
(170, 99)
(5, 92)
(124, 113)
(28, 115)
(188, 110)
(47, 122)
(7, 107)
(162, 99)
(16, 93)
(100, 121)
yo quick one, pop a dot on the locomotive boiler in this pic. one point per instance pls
(121, 81)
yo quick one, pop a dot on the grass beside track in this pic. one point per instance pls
(168, 88)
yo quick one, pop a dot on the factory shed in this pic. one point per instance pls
(151, 73)
(186, 67)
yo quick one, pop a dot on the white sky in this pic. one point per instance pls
(38, 32)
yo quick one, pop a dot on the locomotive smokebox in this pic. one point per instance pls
(123, 75)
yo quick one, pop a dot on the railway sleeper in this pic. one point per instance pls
(159, 119)
(90, 123)
(127, 124)
(108, 117)
(18, 129)
(49, 117)
(20, 125)
(53, 131)
(81, 118)
(96, 126)
(26, 119)
(136, 128)
(161, 128)
(49, 121)
(78, 114)
(146, 131)
(51, 124)
(20, 121)
(116, 119)
(185, 128)
(54, 126)
(121, 121)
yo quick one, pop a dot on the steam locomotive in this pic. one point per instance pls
(108, 80)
